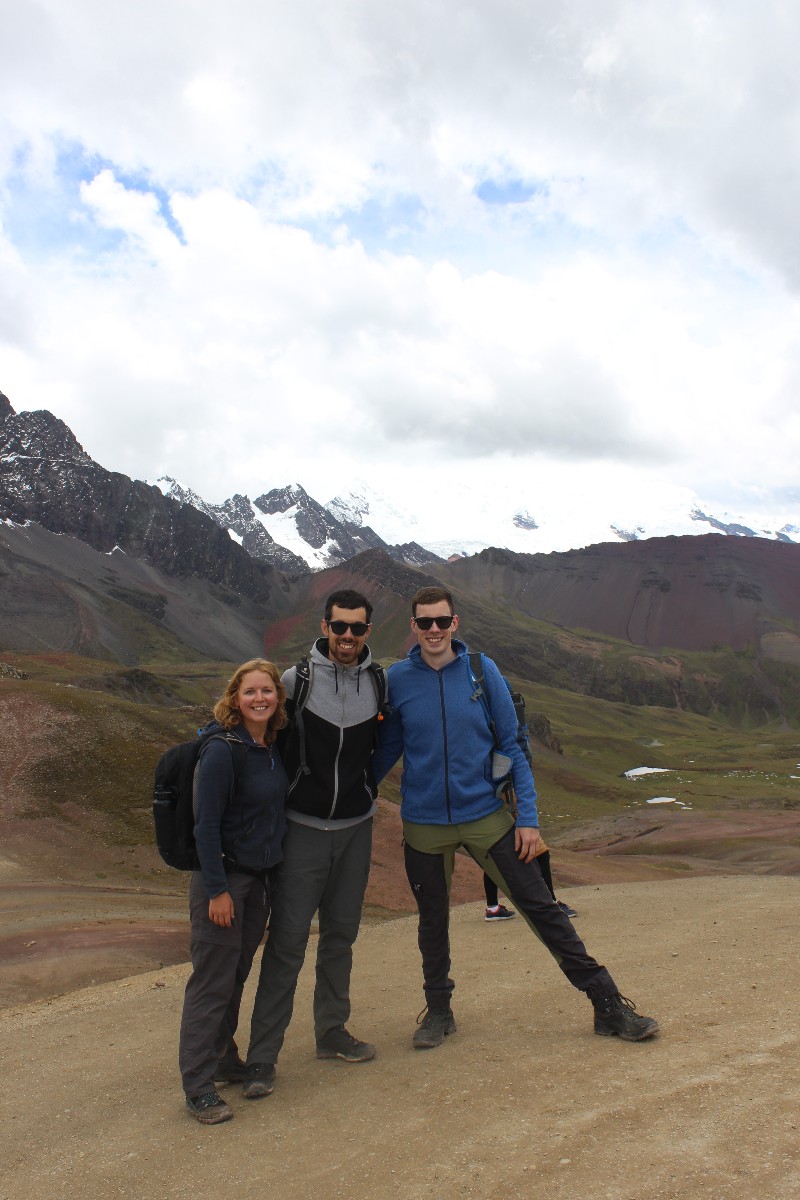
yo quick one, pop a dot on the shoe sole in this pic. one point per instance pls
(348, 1058)
(651, 1030)
(419, 1045)
(257, 1091)
(510, 917)
(205, 1117)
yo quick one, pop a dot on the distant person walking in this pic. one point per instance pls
(328, 750)
(495, 911)
(449, 800)
(238, 836)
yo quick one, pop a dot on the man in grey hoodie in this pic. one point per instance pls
(326, 854)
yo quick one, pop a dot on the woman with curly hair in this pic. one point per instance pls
(239, 828)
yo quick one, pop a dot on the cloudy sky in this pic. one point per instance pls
(256, 242)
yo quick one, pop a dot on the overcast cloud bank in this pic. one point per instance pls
(250, 244)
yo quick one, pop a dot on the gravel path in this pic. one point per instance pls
(523, 1101)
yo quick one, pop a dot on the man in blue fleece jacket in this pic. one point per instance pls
(449, 799)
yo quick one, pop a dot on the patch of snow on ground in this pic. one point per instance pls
(663, 800)
(235, 537)
(635, 772)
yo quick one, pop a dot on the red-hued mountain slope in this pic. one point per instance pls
(690, 593)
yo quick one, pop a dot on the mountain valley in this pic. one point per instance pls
(124, 607)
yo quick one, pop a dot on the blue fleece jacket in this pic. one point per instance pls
(440, 727)
(247, 827)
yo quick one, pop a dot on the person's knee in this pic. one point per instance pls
(339, 930)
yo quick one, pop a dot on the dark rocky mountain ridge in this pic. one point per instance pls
(47, 477)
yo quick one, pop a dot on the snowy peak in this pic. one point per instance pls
(40, 435)
(350, 509)
(280, 500)
(243, 524)
(291, 515)
(184, 495)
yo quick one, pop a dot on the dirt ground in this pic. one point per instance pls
(60, 931)
(522, 1101)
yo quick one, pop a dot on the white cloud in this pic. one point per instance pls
(243, 244)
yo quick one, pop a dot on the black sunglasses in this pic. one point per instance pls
(357, 628)
(426, 623)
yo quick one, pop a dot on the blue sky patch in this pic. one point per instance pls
(46, 220)
(508, 191)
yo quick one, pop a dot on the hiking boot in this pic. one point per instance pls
(566, 910)
(232, 1071)
(338, 1043)
(260, 1081)
(435, 1022)
(209, 1109)
(616, 1015)
(501, 913)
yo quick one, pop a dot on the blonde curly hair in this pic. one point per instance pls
(228, 714)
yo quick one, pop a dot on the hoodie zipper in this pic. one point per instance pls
(341, 738)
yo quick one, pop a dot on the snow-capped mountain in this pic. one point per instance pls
(47, 476)
(243, 523)
(492, 511)
(289, 529)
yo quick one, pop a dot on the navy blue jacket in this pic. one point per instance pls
(247, 827)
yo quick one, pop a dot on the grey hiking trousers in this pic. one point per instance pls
(221, 961)
(326, 871)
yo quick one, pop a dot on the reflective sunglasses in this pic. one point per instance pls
(357, 628)
(426, 623)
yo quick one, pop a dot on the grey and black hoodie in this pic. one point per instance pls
(339, 721)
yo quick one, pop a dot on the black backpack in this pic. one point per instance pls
(302, 687)
(173, 787)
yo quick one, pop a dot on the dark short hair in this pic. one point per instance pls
(432, 595)
(347, 598)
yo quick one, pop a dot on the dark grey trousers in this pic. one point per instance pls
(221, 961)
(326, 871)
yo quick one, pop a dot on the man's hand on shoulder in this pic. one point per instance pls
(526, 842)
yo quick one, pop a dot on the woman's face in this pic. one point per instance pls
(257, 698)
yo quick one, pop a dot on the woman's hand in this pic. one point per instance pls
(220, 910)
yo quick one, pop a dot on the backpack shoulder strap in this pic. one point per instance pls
(304, 677)
(475, 666)
(304, 674)
(379, 679)
(238, 752)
